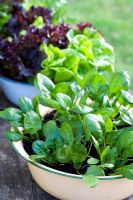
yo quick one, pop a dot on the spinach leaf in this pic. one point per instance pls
(64, 100)
(67, 133)
(127, 171)
(90, 176)
(11, 114)
(52, 134)
(119, 81)
(44, 84)
(96, 126)
(14, 136)
(25, 104)
(32, 122)
(126, 115)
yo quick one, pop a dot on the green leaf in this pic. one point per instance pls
(38, 23)
(96, 144)
(90, 176)
(14, 136)
(96, 126)
(55, 56)
(61, 155)
(4, 14)
(92, 33)
(83, 45)
(23, 32)
(67, 133)
(77, 130)
(119, 81)
(95, 170)
(48, 102)
(125, 140)
(32, 122)
(39, 148)
(64, 100)
(97, 82)
(87, 133)
(92, 161)
(113, 155)
(127, 171)
(127, 97)
(75, 88)
(37, 157)
(44, 84)
(81, 109)
(16, 124)
(25, 104)
(62, 88)
(11, 114)
(72, 60)
(67, 75)
(106, 101)
(71, 33)
(106, 112)
(52, 134)
(107, 165)
(128, 152)
(113, 137)
(91, 180)
(88, 76)
(103, 54)
(105, 154)
(109, 125)
(126, 115)
(78, 154)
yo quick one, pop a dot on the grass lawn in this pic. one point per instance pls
(114, 18)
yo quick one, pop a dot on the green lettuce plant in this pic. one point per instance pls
(87, 52)
(91, 125)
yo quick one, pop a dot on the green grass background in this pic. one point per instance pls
(114, 18)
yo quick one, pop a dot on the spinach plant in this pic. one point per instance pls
(90, 128)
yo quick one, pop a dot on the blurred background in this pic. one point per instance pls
(114, 18)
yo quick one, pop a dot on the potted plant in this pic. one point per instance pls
(78, 145)
(27, 48)
(20, 57)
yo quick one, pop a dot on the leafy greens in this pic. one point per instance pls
(91, 127)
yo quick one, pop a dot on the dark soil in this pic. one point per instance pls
(59, 166)
(49, 116)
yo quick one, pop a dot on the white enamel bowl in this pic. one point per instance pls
(67, 186)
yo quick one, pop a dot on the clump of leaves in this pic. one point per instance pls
(21, 57)
(87, 51)
(23, 29)
(91, 128)
(21, 19)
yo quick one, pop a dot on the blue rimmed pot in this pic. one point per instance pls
(66, 186)
(15, 89)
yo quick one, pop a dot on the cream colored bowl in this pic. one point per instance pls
(67, 186)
